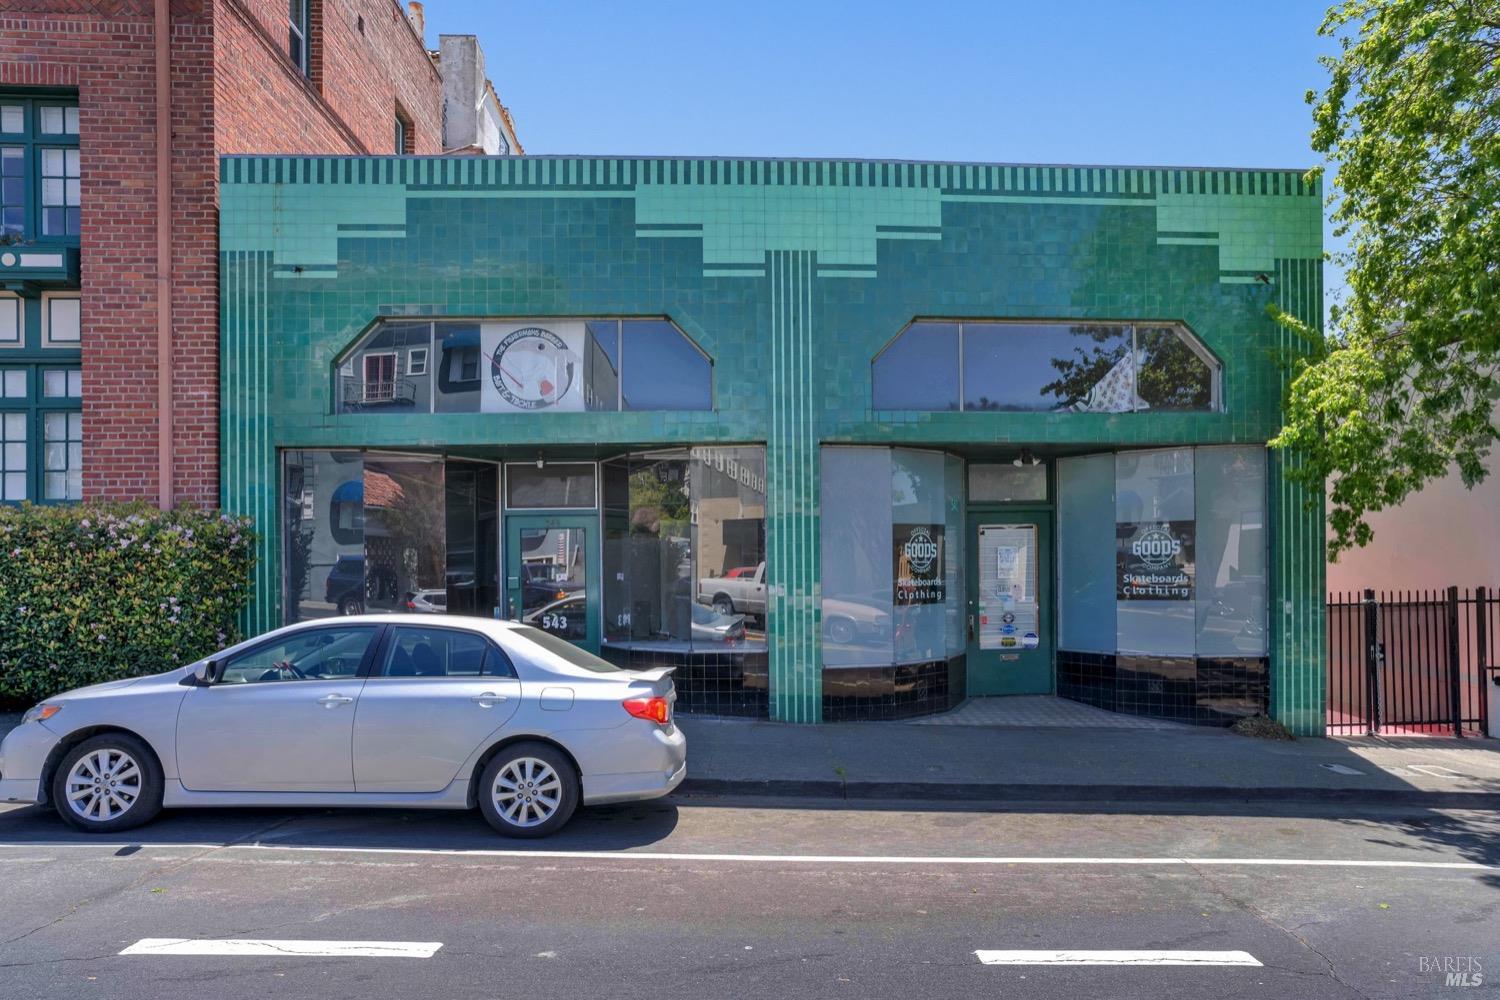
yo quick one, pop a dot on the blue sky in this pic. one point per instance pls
(1206, 83)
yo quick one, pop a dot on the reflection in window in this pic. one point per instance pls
(1044, 367)
(319, 654)
(62, 466)
(557, 485)
(523, 366)
(323, 532)
(405, 534)
(684, 549)
(433, 652)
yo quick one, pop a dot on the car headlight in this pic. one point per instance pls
(41, 713)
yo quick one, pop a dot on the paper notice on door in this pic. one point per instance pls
(1008, 613)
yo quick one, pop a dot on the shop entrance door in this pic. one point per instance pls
(552, 574)
(1010, 603)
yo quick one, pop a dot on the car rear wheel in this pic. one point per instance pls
(107, 783)
(351, 606)
(723, 605)
(840, 631)
(528, 790)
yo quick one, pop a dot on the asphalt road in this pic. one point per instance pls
(710, 898)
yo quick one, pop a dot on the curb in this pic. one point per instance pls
(1012, 792)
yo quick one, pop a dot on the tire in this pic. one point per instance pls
(723, 605)
(351, 606)
(120, 757)
(840, 631)
(507, 808)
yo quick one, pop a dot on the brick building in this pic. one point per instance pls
(109, 307)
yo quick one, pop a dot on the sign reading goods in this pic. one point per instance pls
(918, 563)
(1154, 560)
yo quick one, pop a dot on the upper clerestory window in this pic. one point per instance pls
(1045, 367)
(522, 366)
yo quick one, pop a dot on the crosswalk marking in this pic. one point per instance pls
(1070, 956)
(284, 949)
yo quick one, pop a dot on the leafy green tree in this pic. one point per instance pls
(1403, 385)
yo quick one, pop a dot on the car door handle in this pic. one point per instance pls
(487, 699)
(334, 700)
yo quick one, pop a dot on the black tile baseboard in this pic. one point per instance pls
(1209, 691)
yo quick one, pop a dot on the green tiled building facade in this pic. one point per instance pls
(821, 298)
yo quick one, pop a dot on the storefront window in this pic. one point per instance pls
(1086, 553)
(1231, 551)
(1154, 543)
(892, 563)
(370, 532)
(555, 486)
(1044, 367)
(523, 366)
(684, 549)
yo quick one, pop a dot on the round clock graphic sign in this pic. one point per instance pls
(533, 368)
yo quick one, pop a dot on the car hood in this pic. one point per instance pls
(107, 687)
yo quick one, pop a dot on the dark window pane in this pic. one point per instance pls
(554, 581)
(1172, 375)
(457, 367)
(648, 549)
(601, 366)
(53, 221)
(73, 222)
(323, 534)
(663, 370)
(13, 190)
(405, 533)
(432, 652)
(1046, 366)
(561, 485)
(473, 541)
(919, 370)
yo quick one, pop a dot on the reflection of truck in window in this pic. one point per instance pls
(730, 595)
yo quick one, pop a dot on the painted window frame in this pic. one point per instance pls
(299, 30)
(16, 302)
(35, 405)
(47, 298)
(32, 141)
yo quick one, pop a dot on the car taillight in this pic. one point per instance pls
(561, 594)
(655, 709)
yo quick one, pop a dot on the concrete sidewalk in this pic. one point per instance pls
(905, 760)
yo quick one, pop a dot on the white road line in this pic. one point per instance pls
(827, 859)
(1069, 957)
(283, 949)
(859, 859)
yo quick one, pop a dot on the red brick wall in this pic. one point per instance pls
(112, 63)
(349, 106)
(254, 101)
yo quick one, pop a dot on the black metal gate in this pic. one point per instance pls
(1411, 661)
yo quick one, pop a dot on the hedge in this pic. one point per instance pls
(93, 593)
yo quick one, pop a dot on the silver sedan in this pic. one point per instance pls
(392, 710)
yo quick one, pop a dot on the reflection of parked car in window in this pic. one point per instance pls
(345, 587)
(850, 619)
(426, 602)
(711, 626)
(563, 617)
(538, 586)
(738, 594)
(739, 571)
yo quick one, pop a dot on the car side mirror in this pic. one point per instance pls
(208, 672)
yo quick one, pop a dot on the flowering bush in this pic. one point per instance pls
(92, 593)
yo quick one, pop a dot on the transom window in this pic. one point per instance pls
(523, 366)
(1045, 366)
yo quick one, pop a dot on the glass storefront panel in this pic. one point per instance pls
(858, 607)
(391, 370)
(728, 489)
(1007, 483)
(1086, 554)
(1039, 367)
(1154, 535)
(473, 526)
(892, 561)
(662, 369)
(1231, 551)
(648, 549)
(554, 580)
(458, 368)
(405, 534)
(323, 534)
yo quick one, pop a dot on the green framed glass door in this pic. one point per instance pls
(552, 574)
(1010, 602)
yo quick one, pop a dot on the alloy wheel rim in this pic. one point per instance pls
(104, 785)
(527, 792)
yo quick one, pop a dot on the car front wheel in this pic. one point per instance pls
(528, 790)
(723, 605)
(107, 783)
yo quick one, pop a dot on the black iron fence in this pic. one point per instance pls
(1411, 661)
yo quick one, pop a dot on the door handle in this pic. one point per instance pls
(487, 699)
(971, 628)
(334, 700)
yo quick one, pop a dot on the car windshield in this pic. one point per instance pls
(564, 649)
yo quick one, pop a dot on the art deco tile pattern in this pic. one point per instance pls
(791, 274)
